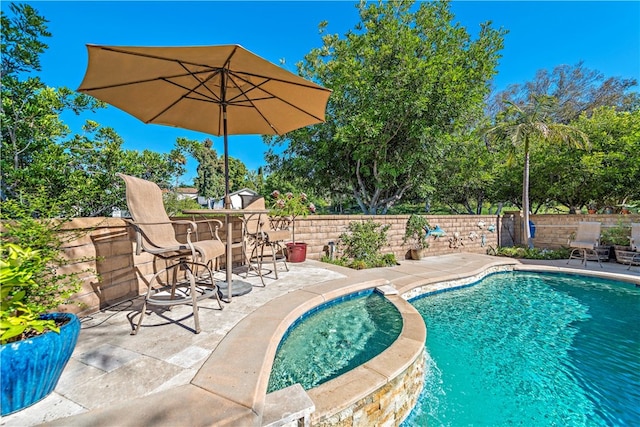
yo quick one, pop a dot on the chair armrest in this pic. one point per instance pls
(213, 226)
(279, 222)
(193, 227)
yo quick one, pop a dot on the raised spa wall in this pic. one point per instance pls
(384, 390)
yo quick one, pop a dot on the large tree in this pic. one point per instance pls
(613, 164)
(30, 109)
(523, 125)
(43, 169)
(405, 78)
(576, 89)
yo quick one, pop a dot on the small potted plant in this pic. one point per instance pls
(291, 206)
(36, 343)
(416, 234)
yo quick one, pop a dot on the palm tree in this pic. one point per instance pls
(522, 125)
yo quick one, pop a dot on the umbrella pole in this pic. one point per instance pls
(227, 205)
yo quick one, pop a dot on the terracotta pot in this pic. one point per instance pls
(416, 254)
(296, 252)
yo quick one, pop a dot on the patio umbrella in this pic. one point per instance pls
(219, 90)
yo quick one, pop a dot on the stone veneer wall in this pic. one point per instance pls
(119, 274)
(387, 406)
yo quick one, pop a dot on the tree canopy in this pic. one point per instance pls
(403, 80)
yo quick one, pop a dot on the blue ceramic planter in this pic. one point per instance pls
(31, 368)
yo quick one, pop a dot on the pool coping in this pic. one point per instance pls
(232, 383)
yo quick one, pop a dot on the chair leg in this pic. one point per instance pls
(256, 254)
(194, 298)
(593, 252)
(213, 285)
(148, 295)
(576, 253)
(142, 312)
(192, 271)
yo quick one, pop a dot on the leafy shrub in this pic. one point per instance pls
(532, 253)
(20, 314)
(31, 256)
(618, 235)
(361, 246)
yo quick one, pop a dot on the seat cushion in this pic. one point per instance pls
(210, 249)
(582, 245)
(278, 235)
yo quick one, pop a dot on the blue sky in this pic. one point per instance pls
(542, 34)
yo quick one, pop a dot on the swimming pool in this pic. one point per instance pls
(531, 349)
(335, 338)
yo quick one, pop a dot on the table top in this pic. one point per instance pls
(224, 211)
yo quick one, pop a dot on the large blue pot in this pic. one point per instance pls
(31, 368)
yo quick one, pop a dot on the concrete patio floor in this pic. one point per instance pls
(109, 367)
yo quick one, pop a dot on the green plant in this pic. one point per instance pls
(532, 253)
(363, 241)
(416, 231)
(31, 256)
(19, 314)
(292, 206)
(618, 235)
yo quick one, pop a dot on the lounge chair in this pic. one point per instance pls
(262, 232)
(634, 241)
(187, 275)
(586, 243)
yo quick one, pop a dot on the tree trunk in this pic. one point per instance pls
(525, 193)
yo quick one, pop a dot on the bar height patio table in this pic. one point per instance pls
(228, 213)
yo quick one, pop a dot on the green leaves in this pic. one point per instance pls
(19, 269)
(401, 80)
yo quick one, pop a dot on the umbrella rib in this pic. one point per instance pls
(201, 83)
(272, 96)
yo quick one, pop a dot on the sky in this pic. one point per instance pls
(542, 35)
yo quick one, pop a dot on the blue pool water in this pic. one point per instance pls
(333, 339)
(532, 350)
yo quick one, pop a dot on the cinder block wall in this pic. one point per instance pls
(116, 273)
(318, 230)
(554, 231)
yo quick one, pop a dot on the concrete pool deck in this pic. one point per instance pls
(167, 375)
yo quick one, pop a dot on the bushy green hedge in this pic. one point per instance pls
(533, 253)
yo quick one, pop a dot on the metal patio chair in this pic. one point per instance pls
(260, 233)
(634, 242)
(188, 272)
(586, 243)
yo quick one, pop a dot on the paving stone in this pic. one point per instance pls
(107, 357)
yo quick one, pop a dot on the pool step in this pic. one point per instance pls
(290, 406)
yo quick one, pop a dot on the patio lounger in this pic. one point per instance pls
(586, 242)
(634, 241)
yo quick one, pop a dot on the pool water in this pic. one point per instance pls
(534, 350)
(333, 339)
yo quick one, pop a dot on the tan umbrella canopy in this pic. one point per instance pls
(220, 90)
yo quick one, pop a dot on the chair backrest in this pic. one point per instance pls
(588, 232)
(144, 200)
(635, 236)
(254, 222)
